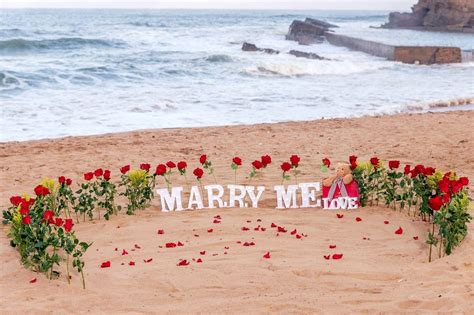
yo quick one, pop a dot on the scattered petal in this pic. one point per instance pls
(161, 231)
(332, 246)
(210, 230)
(399, 231)
(273, 225)
(239, 242)
(199, 260)
(281, 229)
(116, 249)
(148, 260)
(124, 252)
(293, 232)
(216, 221)
(337, 256)
(105, 264)
(339, 216)
(298, 236)
(33, 280)
(217, 217)
(196, 235)
(203, 252)
(137, 246)
(180, 244)
(415, 238)
(358, 219)
(267, 255)
(386, 222)
(263, 229)
(327, 257)
(170, 245)
(249, 221)
(183, 262)
(245, 228)
(226, 247)
(259, 220)
(132, 263)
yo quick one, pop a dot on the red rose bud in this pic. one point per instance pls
(464, 181)
(352, 159)
(429, 171)
(286, 167)
(203, 159)
(125, 169)
(375, 161)
(145, 166)
(98, 172)
(170, 164)
(48, 215)
(266, 160)
(105, 264)
(24, 208)
(26, 220)
(68, 182)
(40, 190)
(58, 222)
(107, 175)
(198, 172)
(326, 162)
(182, 165)
(393, 164)
(257, 164)
(237, 161)
(399, 231)
(295, 160)
(15, 200)
(160, 170)
(446, 198)
(436, 203)
(406, 170)
(61, 179)
(88, 176)
(68, 225)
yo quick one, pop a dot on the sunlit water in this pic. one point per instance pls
(78, 72)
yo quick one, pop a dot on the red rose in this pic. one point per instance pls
(353, 166)
(429, 171)
(203, 159)
(40, 190)
(125, 169)
(160, 170)
(456, 186)
(15, 200)
(58, 222)
(26, 220)
(68, 225)
(182, 165)
(98, 172)
(257, 164)
(353, 159)
(24, 208)
(266, 160)
(198, 172)
(393, 164)
(420, 169)
(145, 166)
(435, 203)
(446, 198)
(447, 175)
(295, 160)
(68, 182)
(61, 179)
(407, 171)
(237, 161)
(48, 215)
(170, 164)
(326, 162)
(375, 161)
(107, 174)
(414, 173)
(286, 167)
(464, 181)
(444, 185)
(88, 176)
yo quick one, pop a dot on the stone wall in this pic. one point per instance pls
(369, 47)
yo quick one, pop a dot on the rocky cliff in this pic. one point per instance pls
(438, 15)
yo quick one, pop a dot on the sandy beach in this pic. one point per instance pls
(380, 272)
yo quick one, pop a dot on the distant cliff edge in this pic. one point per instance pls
(436, 15)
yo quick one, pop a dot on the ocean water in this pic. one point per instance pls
(80, 72)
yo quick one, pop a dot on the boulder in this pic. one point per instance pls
(438, 15)
(308, 55)
(320, 23)
(252, 47)
(304, 31)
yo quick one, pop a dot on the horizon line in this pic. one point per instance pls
(195, 9)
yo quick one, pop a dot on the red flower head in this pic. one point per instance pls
(98, 172)
(203, 159)
(257, 164)
(237, 161)
(15, 200)
(393, 164)
(429, 171)
(464, 181)
(266, 160)
(353, 159)
(406, 170)
(107, 174)
(24, 207)
(295, 160)
(160, 170)
(125, 169)
(58, 222)
(420, 169)
(375, 161)
(68, 182)
(286, 167)
(444, 185)
(61, 179)
(446, 198)
(40, 190)
(145, 166)
(48, 215)
(26, 220)
(170, 164)
(326, 162)
(182, 165)
(198, 172)
(436, 203)
(88, 176)
(68, 225)
(456, 186)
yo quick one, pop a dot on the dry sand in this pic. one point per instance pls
(387, 273)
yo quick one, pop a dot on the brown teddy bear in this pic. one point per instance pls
(342, 184)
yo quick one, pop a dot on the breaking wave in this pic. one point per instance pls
(24, 45)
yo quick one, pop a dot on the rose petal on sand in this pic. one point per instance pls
(263, 229)
(161, 231)
(293, 232)
(281, 229)
(327, 257)
(180, 244)
(116, 249)
(339, 216)
(415, 238)
(386, 222)
(337, 256)
(226, 247)
(199, 260)
(245, 228)
(170, 245)
(196, 235)
(210, 230)
(148, 260)
(203, 252)
(399, 231)
(257, 228)
(183, 262)
(217, 217)
(216, 221)
(358, 219)
(137, 246)
(249, 221)
(267, 255)
(105, 264)
(124, 252)
(273, 225)
(298, 236)
(259, 220)
(332, 246)
(33, 280)
(131, 263)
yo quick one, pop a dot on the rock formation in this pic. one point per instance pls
(308, 55)
(436, 15)
(305, 33)
(251, 47)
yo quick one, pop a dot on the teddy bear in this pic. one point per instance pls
(342, 184)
